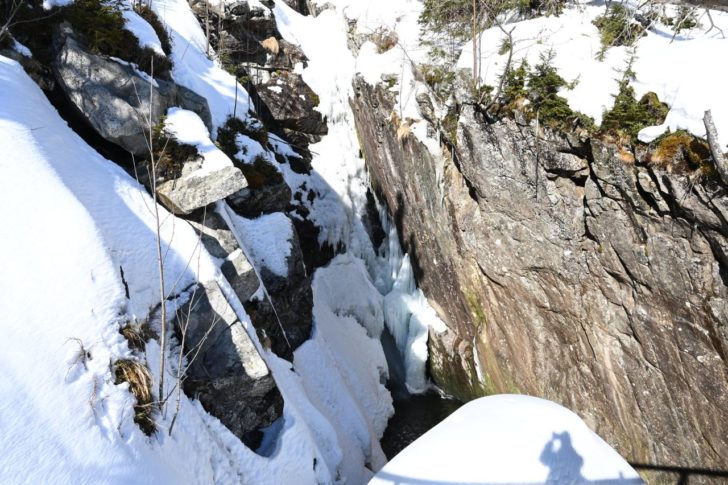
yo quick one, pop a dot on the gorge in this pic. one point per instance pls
(277, 250)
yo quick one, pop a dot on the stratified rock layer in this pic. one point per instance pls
(564, 272)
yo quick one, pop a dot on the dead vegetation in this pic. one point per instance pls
(137, 375)
(81, 357)
(271, 45)
(384, 39)
(137, 334)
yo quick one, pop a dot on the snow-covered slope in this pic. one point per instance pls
(192, 66)
(87, 220)
(509, 439)
(73, 220)
(680, 69)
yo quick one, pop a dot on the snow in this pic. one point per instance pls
(192, 67)
(336, 407)
(62, 417)
(267, 239)
(397, 63)
(343, 369)
(188, 128)
(509, 439)
(20, 48)
(253, 4)
(349, 292)
(49, 4)
(339, 176)
(250, 149)
(680, 72)
(135, 24)
(339, 372)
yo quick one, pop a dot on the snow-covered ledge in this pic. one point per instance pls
(509, 439)
(211, 179)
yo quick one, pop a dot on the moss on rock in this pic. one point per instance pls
(261, 173)
(682, 152)
(169, 154)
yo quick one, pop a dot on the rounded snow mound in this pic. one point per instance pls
(508, 439)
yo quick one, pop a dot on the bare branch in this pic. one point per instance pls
(720, 160)
(498, 91)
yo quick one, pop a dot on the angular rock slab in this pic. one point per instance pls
(114, 98)
(226, 372)
(200, 188)
(220, 242)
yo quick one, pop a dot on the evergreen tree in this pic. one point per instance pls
(628, 116)
(543, 87)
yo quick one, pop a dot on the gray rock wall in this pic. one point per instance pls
(566, 273)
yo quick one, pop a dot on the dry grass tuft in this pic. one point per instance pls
(405, 128)
(137, 335)
(271, 45)
(140, 384)
(384, 39)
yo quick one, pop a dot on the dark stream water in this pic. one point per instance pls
(414, 414)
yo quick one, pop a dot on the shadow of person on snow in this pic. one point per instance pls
(562, 460)
(564, 464)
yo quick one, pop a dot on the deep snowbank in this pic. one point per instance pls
(509, 439)
(73, 220)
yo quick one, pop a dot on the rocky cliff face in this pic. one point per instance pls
(565, 272)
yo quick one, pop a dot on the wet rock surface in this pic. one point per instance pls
(566, 273)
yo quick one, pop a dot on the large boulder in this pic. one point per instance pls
(198, 188)
(225, 371)
(115, 98)
(290, 103)
(564, 272)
